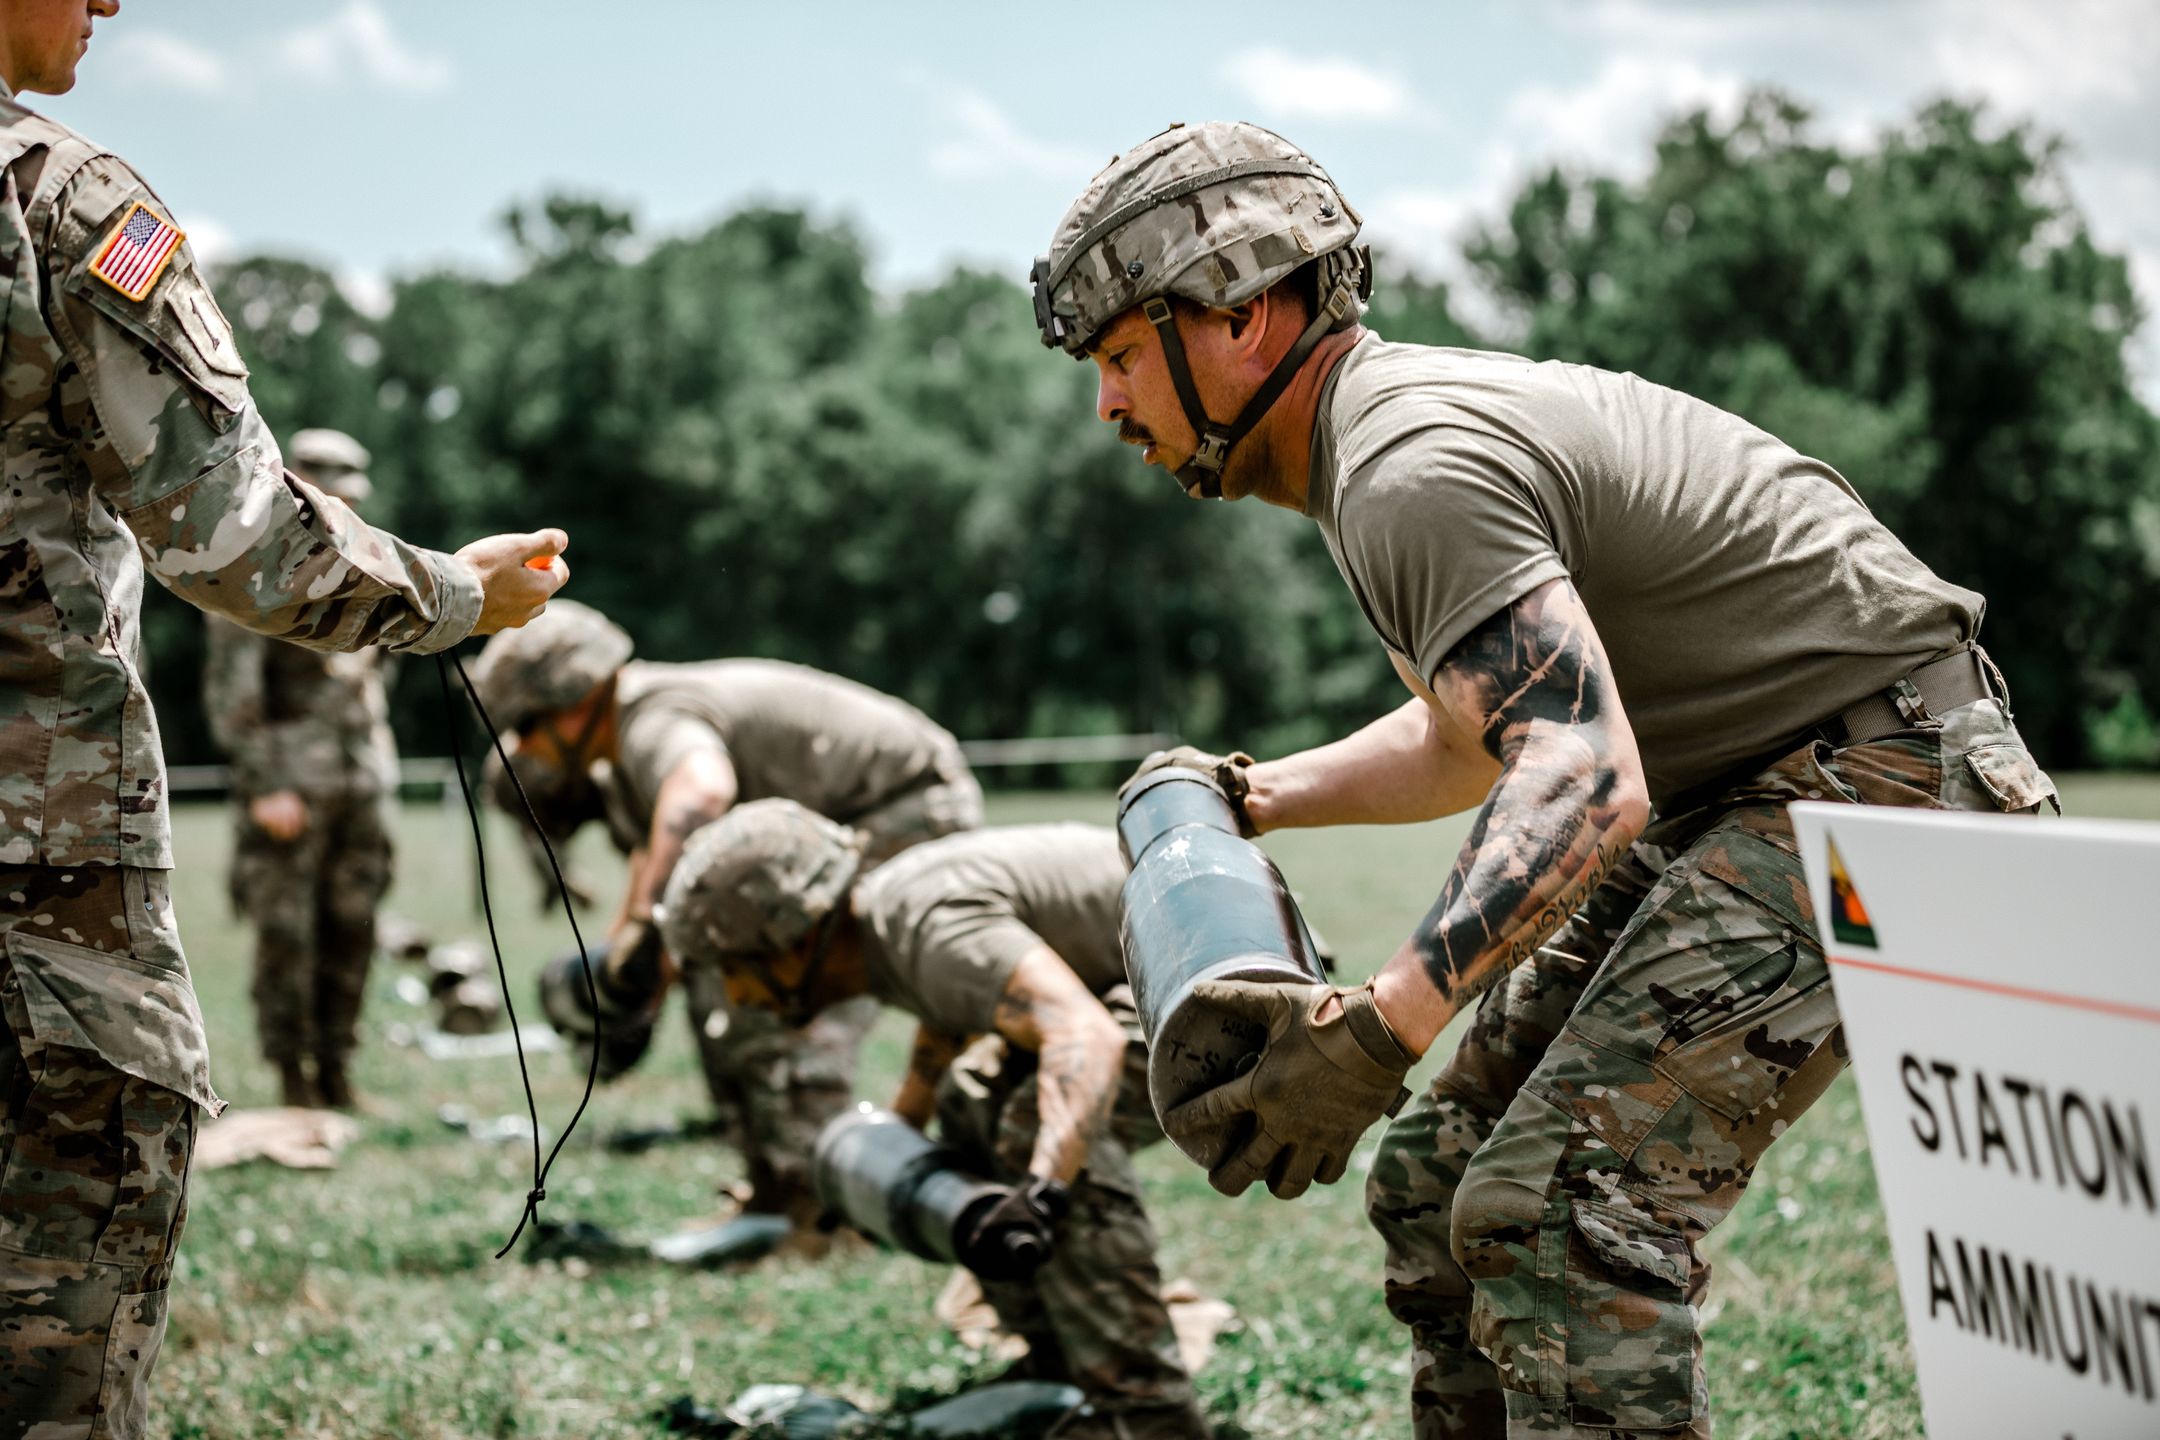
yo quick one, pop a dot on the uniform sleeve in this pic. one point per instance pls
(657, 737)
(958, 956)
(1444, 528)
(179, 453)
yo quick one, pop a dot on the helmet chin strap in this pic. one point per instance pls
(1201, 476)
(795, 1009)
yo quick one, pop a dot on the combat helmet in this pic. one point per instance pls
(333, 460)
(757, 881)
(549, 664)
(1215, 213)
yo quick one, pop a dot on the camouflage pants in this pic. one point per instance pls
(775, 1087)
(102, 1066)
(1544, 1202)
(1094, 1315)
(312, 900)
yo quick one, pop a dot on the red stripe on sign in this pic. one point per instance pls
(2146, 1013)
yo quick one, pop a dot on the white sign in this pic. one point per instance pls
(1999, 980)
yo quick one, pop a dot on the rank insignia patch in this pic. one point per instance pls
(1848, 917)
(137, 252)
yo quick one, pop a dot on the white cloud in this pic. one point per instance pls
(991, 146)
(212, 241)
(1606, 124)
(1610, 122)
(358, 44)
(2067, 52)
(160, 58)
(1318, 87)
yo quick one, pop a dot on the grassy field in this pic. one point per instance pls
(364, 1301)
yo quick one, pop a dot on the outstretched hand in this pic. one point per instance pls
(1329, 1069)
(518, 575)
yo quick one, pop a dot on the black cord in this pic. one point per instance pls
(443, 665)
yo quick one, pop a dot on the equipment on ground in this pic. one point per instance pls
(623, 1032)
(881, 1175)
(1200, 904)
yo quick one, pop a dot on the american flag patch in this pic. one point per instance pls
(136, 255)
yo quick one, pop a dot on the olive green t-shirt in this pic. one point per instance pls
(944, 924)
(1742, 590)
(829, 744)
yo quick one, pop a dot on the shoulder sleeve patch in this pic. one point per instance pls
(136, 251)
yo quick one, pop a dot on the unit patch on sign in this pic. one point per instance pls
(1848, 917)
(137, 252)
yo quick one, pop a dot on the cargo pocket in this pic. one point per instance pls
(2010, 778)
(131, 1350)
(1780, 1010)
(141, 1018)
(1632, 1346)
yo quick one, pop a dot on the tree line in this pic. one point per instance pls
(757, 454)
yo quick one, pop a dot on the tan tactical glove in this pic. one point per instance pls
(1316, 1087)
(1227, 771)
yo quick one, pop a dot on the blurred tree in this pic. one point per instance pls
(756, 455)
(1932, 317)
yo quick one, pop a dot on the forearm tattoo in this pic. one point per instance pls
(1534, 678)
(1076, 1074)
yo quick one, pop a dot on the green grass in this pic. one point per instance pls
(364, 1302)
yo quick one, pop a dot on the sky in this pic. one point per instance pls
(382, 137)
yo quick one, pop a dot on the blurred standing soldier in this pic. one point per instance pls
(132, 445)
(314, 771)
(1003, 944)
(1532, 542)
(662, 750)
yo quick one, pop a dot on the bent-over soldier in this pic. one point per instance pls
(660, 750)
(1003, 944)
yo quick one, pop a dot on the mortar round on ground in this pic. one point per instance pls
(882, 1176)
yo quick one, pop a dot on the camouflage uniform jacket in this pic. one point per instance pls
(295, 719)
(129, 441)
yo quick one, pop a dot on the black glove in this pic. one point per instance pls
(1227, 771)
(630, 981)
(621, 1047)
(1011, 1240)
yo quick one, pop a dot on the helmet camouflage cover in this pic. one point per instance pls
(757, 881)
(1215, 214)
(549, 664)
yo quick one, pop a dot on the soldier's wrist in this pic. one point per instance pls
(459, 598)
(1410, 1008)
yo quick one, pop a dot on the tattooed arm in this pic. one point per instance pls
(695, 793)
(1079, 1056)
(932, 1056)
(1534, 684)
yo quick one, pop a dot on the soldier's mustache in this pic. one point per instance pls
(1133, 434)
